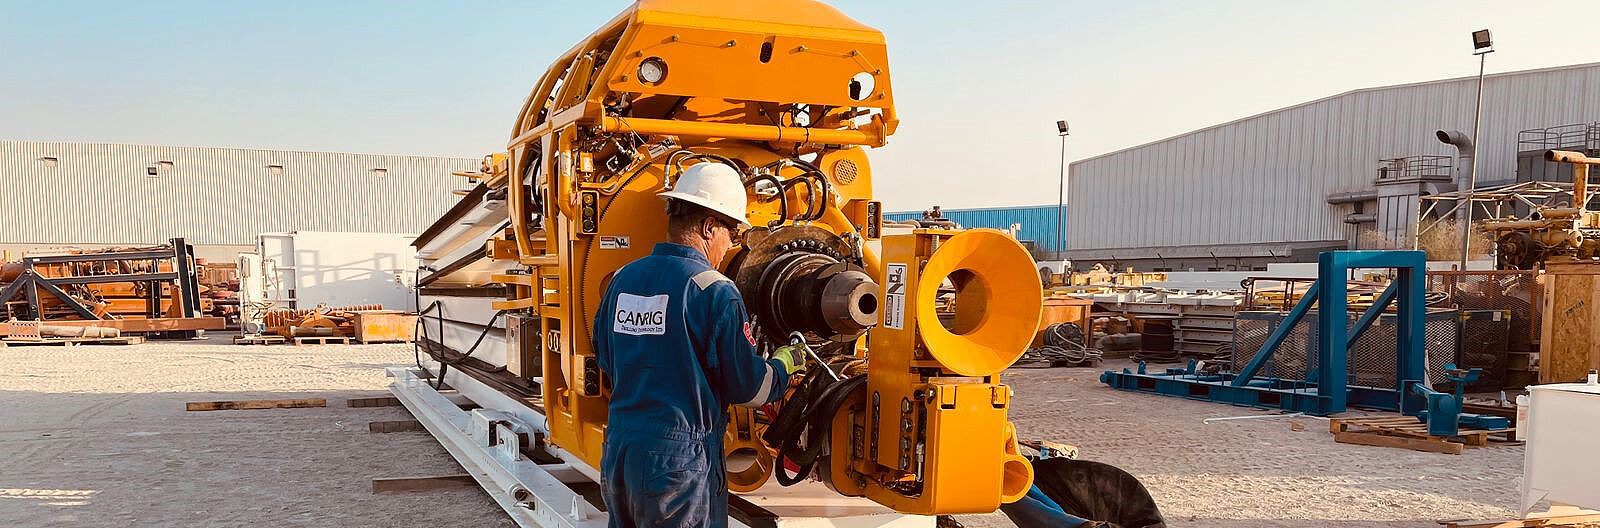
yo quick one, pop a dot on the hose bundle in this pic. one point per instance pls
(1063, 346)
(808, 413)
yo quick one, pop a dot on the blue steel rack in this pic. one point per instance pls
(1326, 389)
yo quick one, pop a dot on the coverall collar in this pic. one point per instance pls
(669, 249)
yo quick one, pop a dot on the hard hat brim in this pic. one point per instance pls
(737, 216)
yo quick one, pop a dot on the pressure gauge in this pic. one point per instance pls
(653, 70)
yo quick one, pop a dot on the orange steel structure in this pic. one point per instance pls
(151, 289)
(790, 93)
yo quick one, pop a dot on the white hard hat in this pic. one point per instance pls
(714, 186)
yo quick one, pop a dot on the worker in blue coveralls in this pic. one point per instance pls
(673, 340)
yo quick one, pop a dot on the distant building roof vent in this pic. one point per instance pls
(49, 161)
(380, 172)
(275, 169)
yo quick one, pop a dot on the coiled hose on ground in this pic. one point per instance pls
(1063, 347)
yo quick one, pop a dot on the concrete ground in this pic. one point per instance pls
(97, 436)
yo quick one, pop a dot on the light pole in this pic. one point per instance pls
(1482, 46)
(1061, 196)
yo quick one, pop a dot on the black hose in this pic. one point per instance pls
(827, 188)
(783, 201)
(811, 191)
(421, 327)
(444, 364)
(808, 413)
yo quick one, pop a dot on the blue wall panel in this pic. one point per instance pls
(1038, 221)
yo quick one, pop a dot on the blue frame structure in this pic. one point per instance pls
(1326, 389)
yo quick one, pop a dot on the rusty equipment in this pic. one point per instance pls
(789, 93)
(133, 290)
(322, 321)
(1559, 233)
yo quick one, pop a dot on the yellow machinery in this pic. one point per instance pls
(790, 93)
(1560, 233)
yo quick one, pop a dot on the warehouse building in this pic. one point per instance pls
(1340, 172)
(91, 194)
(1035, 225)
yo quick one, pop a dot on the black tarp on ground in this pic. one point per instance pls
(1096, 491)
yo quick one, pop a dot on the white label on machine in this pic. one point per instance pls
(614, 242)
(895, 297)
(637, 315)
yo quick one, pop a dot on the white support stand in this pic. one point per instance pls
(485, 441)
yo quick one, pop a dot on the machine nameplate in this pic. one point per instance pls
(895, 296)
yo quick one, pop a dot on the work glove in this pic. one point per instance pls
(793, 357)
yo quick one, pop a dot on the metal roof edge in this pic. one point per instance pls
(1336, 96)
(966, 209)
(236, 149)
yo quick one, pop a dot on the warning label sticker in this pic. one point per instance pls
(614, 242)
(895, 297)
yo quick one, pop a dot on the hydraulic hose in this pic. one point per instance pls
(444, 364)
(783, 201)
(810, 413)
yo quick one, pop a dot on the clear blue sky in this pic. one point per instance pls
(979, 84)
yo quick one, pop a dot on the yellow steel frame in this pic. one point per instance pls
(739, 74)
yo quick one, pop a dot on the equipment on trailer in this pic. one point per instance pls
(1325, 389)
(787, 94)
(1443, 410)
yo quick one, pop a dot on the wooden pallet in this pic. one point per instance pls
(231, 405)
(263, 339)
(72, 341)
(1407, 432)
(321, 340)
(269, 339)
(1557, 516)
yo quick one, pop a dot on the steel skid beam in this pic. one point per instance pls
(489, 444)
(1326, 390)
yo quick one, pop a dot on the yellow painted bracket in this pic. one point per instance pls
(517, 304)
(497, 249)
(521, 280)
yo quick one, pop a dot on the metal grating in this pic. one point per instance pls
(1371, 360)
(844, 172)
(1516, 291)
(1483, 345)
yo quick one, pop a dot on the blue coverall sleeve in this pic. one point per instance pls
(747, 380)
(601, 331)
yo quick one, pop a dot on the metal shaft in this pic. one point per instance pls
(1472, 179)
(1061, 200)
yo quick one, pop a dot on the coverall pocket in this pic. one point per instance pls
(677, 483)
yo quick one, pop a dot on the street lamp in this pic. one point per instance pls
(1482, 46)
(1061, 194)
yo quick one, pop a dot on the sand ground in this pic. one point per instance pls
(97, 436)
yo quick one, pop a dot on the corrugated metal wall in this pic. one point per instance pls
(1264, 178)
(100, 193)
(1038, 221)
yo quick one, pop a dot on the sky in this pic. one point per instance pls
(978, 86)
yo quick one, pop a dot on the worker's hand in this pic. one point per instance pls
(793, 357)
